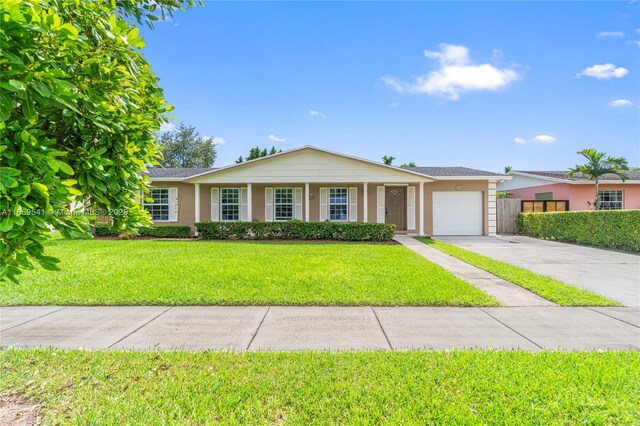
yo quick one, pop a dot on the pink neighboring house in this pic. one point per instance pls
(579, 191)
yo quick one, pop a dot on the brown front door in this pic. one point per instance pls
(396, 204)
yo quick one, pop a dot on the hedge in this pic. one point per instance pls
(156, 231)
(618, 229)
(296, 230)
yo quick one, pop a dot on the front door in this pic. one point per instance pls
(396, 204)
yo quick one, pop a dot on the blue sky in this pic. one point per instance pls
(436, 83)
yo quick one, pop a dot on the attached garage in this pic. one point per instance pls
(457, 213)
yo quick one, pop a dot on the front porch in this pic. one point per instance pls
(399, 203)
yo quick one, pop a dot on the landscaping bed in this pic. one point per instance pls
(547, 287)
(296, 230)
(156, 272)
(421, 387)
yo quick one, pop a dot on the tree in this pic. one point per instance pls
(79, 106)
(185, 147)
(388, 159)
(507, 169)
(408, 165)
(256, 152)
(597, 165)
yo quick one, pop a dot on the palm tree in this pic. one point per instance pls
(597, 165)
(387, 159)
(507, 169)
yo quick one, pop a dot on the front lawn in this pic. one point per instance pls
(459, 387)
(154, 272)
(547, 287)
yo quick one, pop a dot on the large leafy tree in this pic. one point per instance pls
(257, 152)
(79, 106)
(184, 147)
(597, 165)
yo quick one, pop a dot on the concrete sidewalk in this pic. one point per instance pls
(319, 328)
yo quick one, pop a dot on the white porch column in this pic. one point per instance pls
(365, 202)
(306, 202)
(197, 205)
(421, 209)
(249, 203)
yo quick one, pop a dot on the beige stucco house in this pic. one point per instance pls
(313, 184)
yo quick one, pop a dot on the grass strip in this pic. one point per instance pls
(547, 287)
(306, 388)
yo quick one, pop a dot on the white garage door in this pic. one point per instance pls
(457, 213)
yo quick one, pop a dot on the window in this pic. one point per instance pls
(544, 196)
(229, 204)
(159, 209)
(610, 199)
(338, 204)
(283, 203)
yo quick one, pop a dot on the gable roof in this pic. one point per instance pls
(308, 148)
(561, 176)
(429, 173)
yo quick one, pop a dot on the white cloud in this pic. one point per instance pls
(274, 138)
(216, 140)
(167, 127)
(604, 72)
(607, 34)
(544, 139)
(621, 103)
(519, 140)
(316, 114)
(456, 74)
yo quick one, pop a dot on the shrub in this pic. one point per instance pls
(156, 231)
(165, 231)
(296, 230)
(606, 228)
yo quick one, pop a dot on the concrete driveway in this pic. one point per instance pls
(610, 273)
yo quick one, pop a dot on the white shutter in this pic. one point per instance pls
(411, 207)
(268, 204)
(298, 203)
(353, 204)
(380, 205)
(243, 204)
(324, 204)
(173, 204)
(215, 204)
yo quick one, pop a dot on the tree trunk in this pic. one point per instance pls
(597, 197)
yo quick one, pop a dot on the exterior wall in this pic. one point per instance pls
(580, 195)
(450, 185)
(186, 199)
(561, 191)
(186, 202)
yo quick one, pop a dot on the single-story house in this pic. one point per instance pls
(313, 184)
(578, 192)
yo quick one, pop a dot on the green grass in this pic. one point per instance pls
(148, 272)
(549, 288)
(458, 387)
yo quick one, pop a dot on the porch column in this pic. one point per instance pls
(365, 202)
(249, 203)
(306, 202)
(421, 209)
(197, 205)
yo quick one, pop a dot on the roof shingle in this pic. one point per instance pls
(562, 174)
